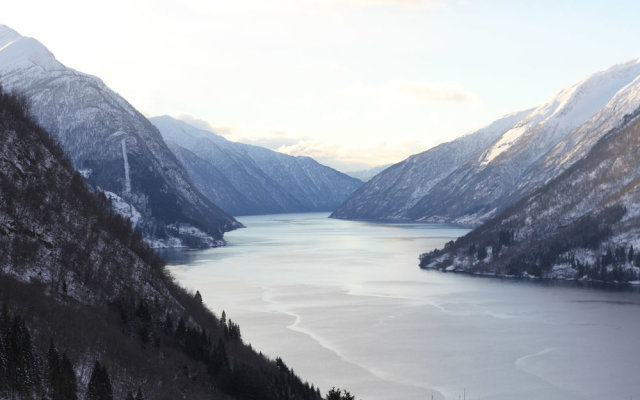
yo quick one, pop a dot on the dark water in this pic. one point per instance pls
(345, 305)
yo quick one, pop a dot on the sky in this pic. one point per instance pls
(352, 83)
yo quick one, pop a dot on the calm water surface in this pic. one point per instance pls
(344, 304)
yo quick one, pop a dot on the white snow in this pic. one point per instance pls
(567, 110)
(23, 52)
(127, 179)
(124, 208)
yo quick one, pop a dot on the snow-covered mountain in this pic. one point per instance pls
(535, 148)
(391, 193)
(245, 179)
(584, 224)
(115, 147)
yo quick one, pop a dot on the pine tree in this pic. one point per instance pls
(99, 384)
(53, 371)
(181, 332)
(139, 395)
(198, 297)
(68, 388)
(168, 325)
(4, 379)
(21, 363)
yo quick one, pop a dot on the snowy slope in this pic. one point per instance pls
(114, 145)
(567, 227)
(263, 181)
(392, 192)
(525, 151)
(535, 150)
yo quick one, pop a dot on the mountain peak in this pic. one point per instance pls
(7, 35)
(20, 52)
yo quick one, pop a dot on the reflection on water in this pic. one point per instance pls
(345, 304)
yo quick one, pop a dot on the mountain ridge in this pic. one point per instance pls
(268, 181)
(114, 145)
(534, 149)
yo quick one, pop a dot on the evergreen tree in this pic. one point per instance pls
(139, 395)
(337, 394)
(334, 394)
(198, 297)
(630, 255)
(4, 379)
(168, 325)
(99, 384)
(181, 333)
(129, 396)
(52, 374)
(21, 363)
(68, 388)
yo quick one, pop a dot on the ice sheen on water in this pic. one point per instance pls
(344, 304)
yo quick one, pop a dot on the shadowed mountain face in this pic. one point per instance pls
(519, 154)
(245, 179)
(115, 147)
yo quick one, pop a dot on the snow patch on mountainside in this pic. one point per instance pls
(569, 108)
(124, 208)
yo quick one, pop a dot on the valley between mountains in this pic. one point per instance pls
(91, 188)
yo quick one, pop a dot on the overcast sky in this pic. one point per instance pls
(353, 83)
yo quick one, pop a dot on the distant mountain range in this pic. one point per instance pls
(366, 174)
(117, 149)
(245, 179)
(476, 177)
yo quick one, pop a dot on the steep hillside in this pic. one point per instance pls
(515, 164)
(584, 224)
(389, 195)
(263, 181)
(74, 274)
(116, 148)
(525, 152)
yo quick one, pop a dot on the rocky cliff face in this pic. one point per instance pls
(252, 179)
(115, 147)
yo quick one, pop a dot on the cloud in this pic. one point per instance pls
(436, 91)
